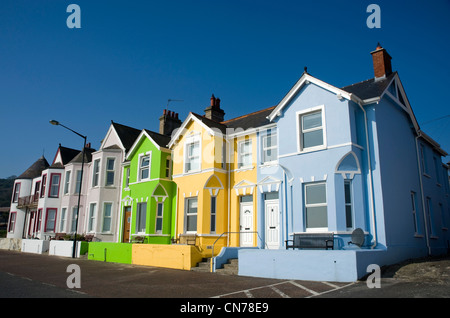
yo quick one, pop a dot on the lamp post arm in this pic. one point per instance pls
(73, 131)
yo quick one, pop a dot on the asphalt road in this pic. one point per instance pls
(24, 275)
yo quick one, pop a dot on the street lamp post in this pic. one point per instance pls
(56, 123)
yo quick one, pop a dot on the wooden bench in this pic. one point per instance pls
(137, 239)
(188, 239)
(311, 240)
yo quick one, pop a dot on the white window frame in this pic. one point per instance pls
(213, 216)
(104, 217)
(349, 204)
(139, 211)
(157, 217)
(127, 177)
(62, 222)
(271, 134)
(430, 217)
(312, 205)
(74, 218)
(110, 171)
(189, 214)
(242, 154)
(168, 167)
(91, 217)
(16, 192)
(95, 172)
(140, 168)
(414, 212)
(188, 159)
(77, 181)
(67, 181)
(300, 131)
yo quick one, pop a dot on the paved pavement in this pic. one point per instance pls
(101, 279)
(24, 275)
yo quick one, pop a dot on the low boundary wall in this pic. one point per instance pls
(65, 248)
(318, 265)
(110, 252)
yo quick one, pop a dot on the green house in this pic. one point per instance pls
(148, 192)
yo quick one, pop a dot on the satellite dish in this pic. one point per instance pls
(358, 237)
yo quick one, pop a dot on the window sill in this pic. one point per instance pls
(241, 169)
(269, 164)
(312, 149)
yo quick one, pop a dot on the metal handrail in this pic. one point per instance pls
(213, 258)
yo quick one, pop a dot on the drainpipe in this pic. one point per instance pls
(422, 196)
(176, 212)
(286, 181)
(372, 204)
(227, 165)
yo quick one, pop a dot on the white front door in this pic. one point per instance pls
(272, 217)
(246, 224)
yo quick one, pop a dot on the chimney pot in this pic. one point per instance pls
(381, 62)
(168, 122)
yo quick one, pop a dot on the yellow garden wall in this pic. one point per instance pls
(169, 256)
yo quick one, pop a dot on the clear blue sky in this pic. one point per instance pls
(130, 57)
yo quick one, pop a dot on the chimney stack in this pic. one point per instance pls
(381, 62)
(214, 112)
(168, 122)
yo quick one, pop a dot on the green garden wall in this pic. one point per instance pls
(110, 252)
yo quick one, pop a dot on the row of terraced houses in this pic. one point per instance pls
(349, 164)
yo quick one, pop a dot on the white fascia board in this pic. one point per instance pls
(154, 142)
(433, 143)
(251, 130)
(110, 130)
(180, 130)
(296, 88)
(136, 142)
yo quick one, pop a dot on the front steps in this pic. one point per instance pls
(231, 268)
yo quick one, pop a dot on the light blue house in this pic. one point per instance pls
(348, 158)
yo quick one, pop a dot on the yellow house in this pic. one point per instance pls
(215, 169)
(202, 183)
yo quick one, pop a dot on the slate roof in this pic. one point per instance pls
(87, 156)
(252, 120)
(67, 154)
(126, 134)
(211, 123)
(248, 121)
(35, 169)
(370, 88)
(161, 140)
